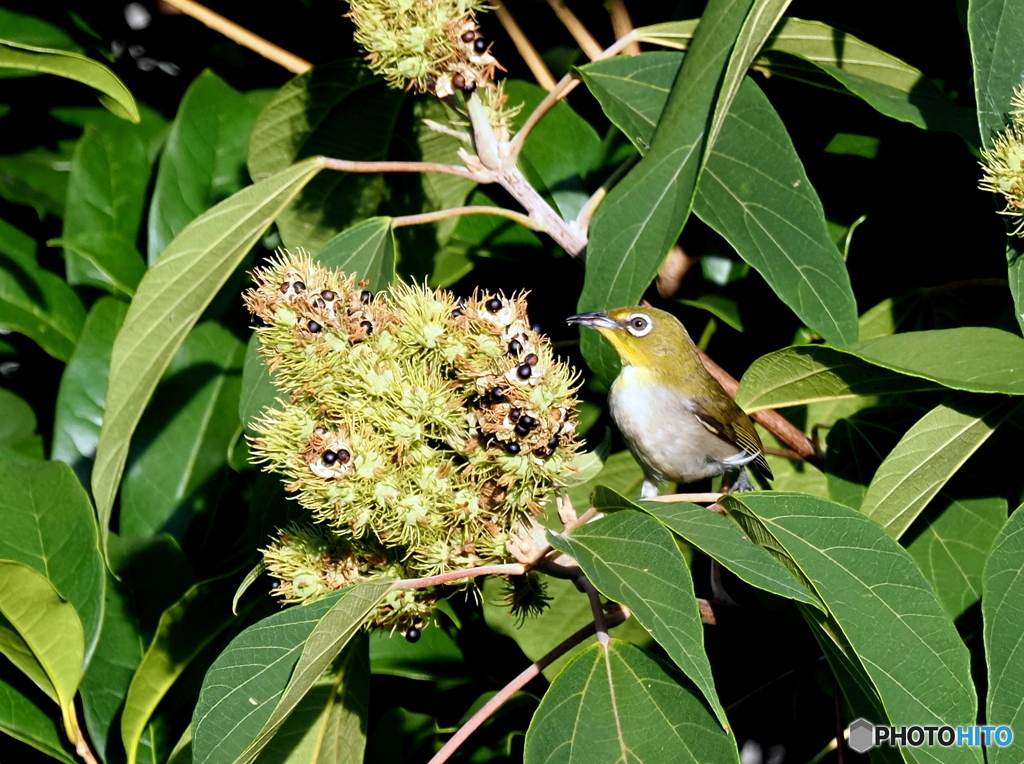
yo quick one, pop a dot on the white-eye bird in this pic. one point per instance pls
(676, 418)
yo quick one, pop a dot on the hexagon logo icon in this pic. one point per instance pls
(862, 735)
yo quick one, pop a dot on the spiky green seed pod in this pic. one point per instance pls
(415, 429)
(1003, 165)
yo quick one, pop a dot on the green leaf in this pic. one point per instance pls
(29, 30)
(170, 299)
(48, 624)
(621, 704)
(258, 391)
(995, 29)
(184, 630)
(1004, 625)
(203, 161)
(23, 720)
(435, 656)
(49, 524)
(720, 307)
(181, 443)
(325, 111)
(642, 216)
(153, 128)
(367, 249)
(18, 438)
(37, 177)
(106, 196)
(886, 610)
(951, 542)
(886, 83)
(754, 190)
(440, 190)
(33, 300)
(329, 724)
(74, 66)
(719, 538)
(83, 388)
(263, 674)
(927, 456)
(631, 558)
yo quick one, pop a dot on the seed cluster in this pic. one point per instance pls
(1003, 165)
(419, 430)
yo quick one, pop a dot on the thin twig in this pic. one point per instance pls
(600, 627)
(508, 569)
(693, 498)
(622, 26)
(785, 453)
(590, 46)
(612, 619)
(349, 165)
(673, 271)
(707, 612)
(591, 205)
(540, 70)
(432, 217)
(241, 35)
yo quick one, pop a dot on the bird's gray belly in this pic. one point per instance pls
(664, 436)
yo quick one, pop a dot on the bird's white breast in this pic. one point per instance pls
(659, 425)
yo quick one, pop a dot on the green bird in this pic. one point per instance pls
(676, 418)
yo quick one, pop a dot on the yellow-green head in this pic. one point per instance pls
(644, 337)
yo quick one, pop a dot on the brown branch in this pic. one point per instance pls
(612, 619)
(693, 498)
(540, 70)
(348, 165)
(509, 569)
(673, 271)
(622, 26)
(590, 46)
(241, 35)
(432, 217)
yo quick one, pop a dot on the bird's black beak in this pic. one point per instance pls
(593, 320)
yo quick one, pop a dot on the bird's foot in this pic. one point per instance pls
(742, 483)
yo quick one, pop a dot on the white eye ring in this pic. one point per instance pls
(639, 325)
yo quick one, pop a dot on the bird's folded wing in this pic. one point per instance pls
(744, 437)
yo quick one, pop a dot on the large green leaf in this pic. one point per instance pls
(893, 87)
(115, 96)
(1004, 632)
(262, 675)
(83, 388)
(927, 456)
(622, 705)
(170, 300)
(719, 538)
(29, 30)
(181, 443)
(106, 195)
(326, 111)
(203, 161)
(631, 558)
(886, 610)
(153, 128)
(23, 720)
(642, 216)
(49, 524)
(18, 438)
(184, 630)
(329, 724)
(754, 190)
(367, 250)
(37, 177)
(258, 391)
(434, 656)
(33, 300)
(49, 626)
(995, 28)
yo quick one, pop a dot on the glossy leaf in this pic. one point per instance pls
(329, 724)
(153, 127)
(1004, 625)
(262, 675)
(754, 190)
(47, 623)
(115, 96)
(367, 249)
(49, 525)
(325, 111)
(24, 720)
(181, 444)
(719, 538)
(436, 655)
(886, 610)
(995, 27)
(83, 388)
(440, 190)
(33, 300)
(18, 438)
(170, 300)
(642, 216)
(258, 391)
(29, 30)
(951, 542)
(203, 161)
(106, 195)
(37, 177)
(621, 704)
(633, 559)
(927, 456)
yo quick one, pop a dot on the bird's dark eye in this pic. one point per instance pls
(638, 325)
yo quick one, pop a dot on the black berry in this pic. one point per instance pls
(512, 447)
(329, 457)
(458, 312)
(366, 295)
(527, 421)
(299, 286)
(536, 328)
(285, 286)
(480, 46)
(328, 295)
(314, 327)
(515, 347)
(343, 455)
(514, 415)
(413, 635)
(524, 371)
(531, 359)
(498, 393)
(458, 81)
(368, 327)
(493, 305)
(522, 430)
(468, 36)
(553, 443)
